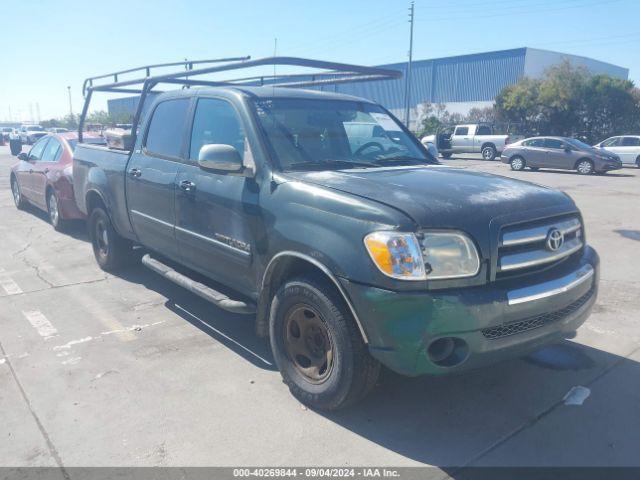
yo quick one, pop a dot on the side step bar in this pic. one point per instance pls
(209, 294)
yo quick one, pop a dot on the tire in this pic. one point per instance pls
(446, 155)
(112, 252)
(489, 153)
(517, 163)
(53, 208)
(18, 199)
(638, 162)
(584, 167)
(331, 368)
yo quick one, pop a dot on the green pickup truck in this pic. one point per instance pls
(351, 252)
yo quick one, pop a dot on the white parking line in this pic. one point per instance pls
(8, 285)
(42, 325)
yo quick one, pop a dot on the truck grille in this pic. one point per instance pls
(538, 321)
(526, 247)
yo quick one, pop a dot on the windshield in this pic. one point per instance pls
(578, 143)
(335, 134)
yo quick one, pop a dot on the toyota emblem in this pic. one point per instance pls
(555, 240)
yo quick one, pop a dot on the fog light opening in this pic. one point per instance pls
(448, 351)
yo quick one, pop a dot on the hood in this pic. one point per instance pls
(443, 197)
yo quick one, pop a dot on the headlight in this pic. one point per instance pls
(449, 255)
(396, 254)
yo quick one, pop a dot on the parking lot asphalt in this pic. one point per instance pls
(130, 370)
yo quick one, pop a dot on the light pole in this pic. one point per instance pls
(70, 106)
(407, 88)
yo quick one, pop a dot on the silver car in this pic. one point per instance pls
(560, 153)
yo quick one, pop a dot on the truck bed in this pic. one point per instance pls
(101, 170)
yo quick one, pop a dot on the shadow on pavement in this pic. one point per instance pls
(456, 420)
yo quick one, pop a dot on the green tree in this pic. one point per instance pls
(569, 101)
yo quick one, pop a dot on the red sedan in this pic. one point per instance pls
(43, 177)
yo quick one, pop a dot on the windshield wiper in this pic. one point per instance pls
(390, 159)
(327, 164)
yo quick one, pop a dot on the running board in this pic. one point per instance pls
(209, 294)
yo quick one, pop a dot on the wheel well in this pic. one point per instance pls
(279, 271)
(581, 159)
(94, 200)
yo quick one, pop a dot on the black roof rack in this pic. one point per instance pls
(330, 73)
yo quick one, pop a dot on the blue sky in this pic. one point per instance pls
(50, 44)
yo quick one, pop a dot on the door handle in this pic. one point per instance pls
(46, 170)
(188, 186)
(135, 172)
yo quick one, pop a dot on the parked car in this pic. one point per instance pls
(30, 133)
(560, 153)
(57, 130)
(349, 257)
(470, 138)
(6, 132)
(626, 147)
(43, 177)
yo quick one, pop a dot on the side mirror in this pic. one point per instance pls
(218, 157)
(23, 156)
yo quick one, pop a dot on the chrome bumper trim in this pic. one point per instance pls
(552, 287)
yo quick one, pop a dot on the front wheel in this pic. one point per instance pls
(584, 167)
(489, 152)
(317, 345)
(517, 163)
(112, 252)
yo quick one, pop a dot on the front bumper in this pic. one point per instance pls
(488, 324)
(608, 166)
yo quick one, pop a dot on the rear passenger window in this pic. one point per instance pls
(536, 142)
(164, 136)
(631, 141)
(462, 131)
(52, 151)
(483, 130)
(216, 121)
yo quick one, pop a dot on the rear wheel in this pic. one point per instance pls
(638, 162)
(112, 252)
(446, 155)
(489, 152)
(517, 163)
(584, 167)
(53, 207)
(18, 199)
(317, 345)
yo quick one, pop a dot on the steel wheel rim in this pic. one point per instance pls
(16, 192)
(516, 163)
(584, 167)
(102, 238)
(308, 343)
(53, 209)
